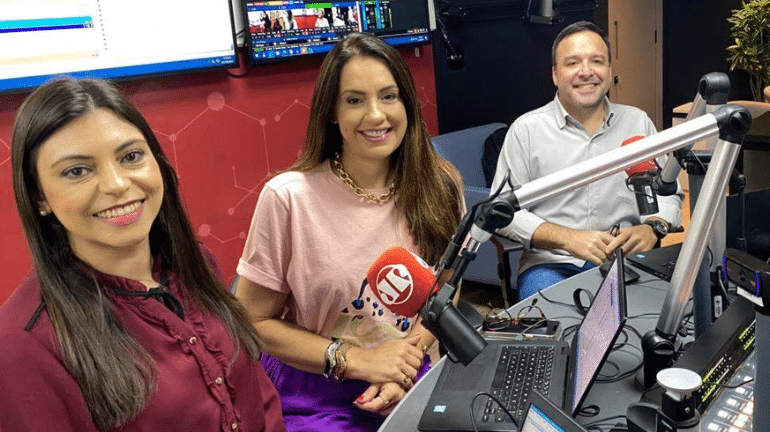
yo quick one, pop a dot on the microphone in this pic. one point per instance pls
(401, 281)
(641, 178)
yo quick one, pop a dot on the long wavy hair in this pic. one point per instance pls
(428, 192)
(115, 374)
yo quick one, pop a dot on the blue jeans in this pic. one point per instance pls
(542, 276)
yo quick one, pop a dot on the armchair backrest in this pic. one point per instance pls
(464, 149)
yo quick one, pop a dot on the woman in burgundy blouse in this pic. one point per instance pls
(125, 323)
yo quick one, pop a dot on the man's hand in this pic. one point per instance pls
(639, 238)
(589, 245)
(592, 246)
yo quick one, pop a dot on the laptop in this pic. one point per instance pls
(542, 415)
(562, 372)
(659, 262)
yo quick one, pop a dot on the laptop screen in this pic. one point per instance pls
(598, 331)
(544, 416)
(538, 421)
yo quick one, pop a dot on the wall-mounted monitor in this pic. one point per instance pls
(114, 39)
(280, 30)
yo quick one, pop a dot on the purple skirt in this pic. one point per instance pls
(312, 403)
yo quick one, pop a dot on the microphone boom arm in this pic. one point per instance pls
(713, 89)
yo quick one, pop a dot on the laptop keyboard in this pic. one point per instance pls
(519, 370)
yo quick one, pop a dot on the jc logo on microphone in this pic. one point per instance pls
(394, 284)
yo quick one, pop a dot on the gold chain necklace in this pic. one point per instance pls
(358, 190)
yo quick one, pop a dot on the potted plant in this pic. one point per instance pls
(751, 52)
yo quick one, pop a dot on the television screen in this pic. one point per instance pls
(279, 30)
(40, 39)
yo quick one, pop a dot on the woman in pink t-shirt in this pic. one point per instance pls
(367, 179)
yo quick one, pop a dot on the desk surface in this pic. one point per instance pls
(643, 297)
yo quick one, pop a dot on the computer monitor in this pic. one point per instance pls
(42, 39)
(282, 30)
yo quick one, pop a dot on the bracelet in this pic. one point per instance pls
(331, 358)
(341, 361)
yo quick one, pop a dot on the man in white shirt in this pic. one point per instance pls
(570, 233)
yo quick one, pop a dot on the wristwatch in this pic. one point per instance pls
(658, 227)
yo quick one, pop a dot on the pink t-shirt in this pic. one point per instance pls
(311, 237)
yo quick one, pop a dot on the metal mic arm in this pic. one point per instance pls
(713, 89)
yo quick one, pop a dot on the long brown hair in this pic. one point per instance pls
(428, 193)
(115, 374)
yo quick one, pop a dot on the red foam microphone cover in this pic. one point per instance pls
(642, 167)
(401, 281)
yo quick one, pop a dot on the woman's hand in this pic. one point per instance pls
(380, 398)
(396, 360)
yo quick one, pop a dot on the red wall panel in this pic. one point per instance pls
(225, 136)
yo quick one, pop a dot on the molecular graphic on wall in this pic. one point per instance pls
(8, 148)
(216, 102)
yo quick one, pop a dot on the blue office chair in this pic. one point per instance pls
(497, 261)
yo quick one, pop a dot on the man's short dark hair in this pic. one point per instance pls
(578, 27)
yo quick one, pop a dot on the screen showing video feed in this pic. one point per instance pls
(280, 30)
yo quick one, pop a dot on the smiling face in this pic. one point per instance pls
(581, 72)
(99, 178)
(369, 111)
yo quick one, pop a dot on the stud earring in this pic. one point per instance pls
(43, 213)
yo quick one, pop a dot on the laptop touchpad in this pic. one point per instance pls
(468, 380)
(467, 377)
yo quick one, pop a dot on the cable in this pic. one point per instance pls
(644, 194)
(620, 344)
(686, 327)
(711, 256)
(618, 347)
(600, 376)
(473, 416)
(750, 380)
(604, 420)
(634, 330)
(696, 158)
(588, 411)
(569, 330)
(567, 305)
(645, 315)
(722, 286)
